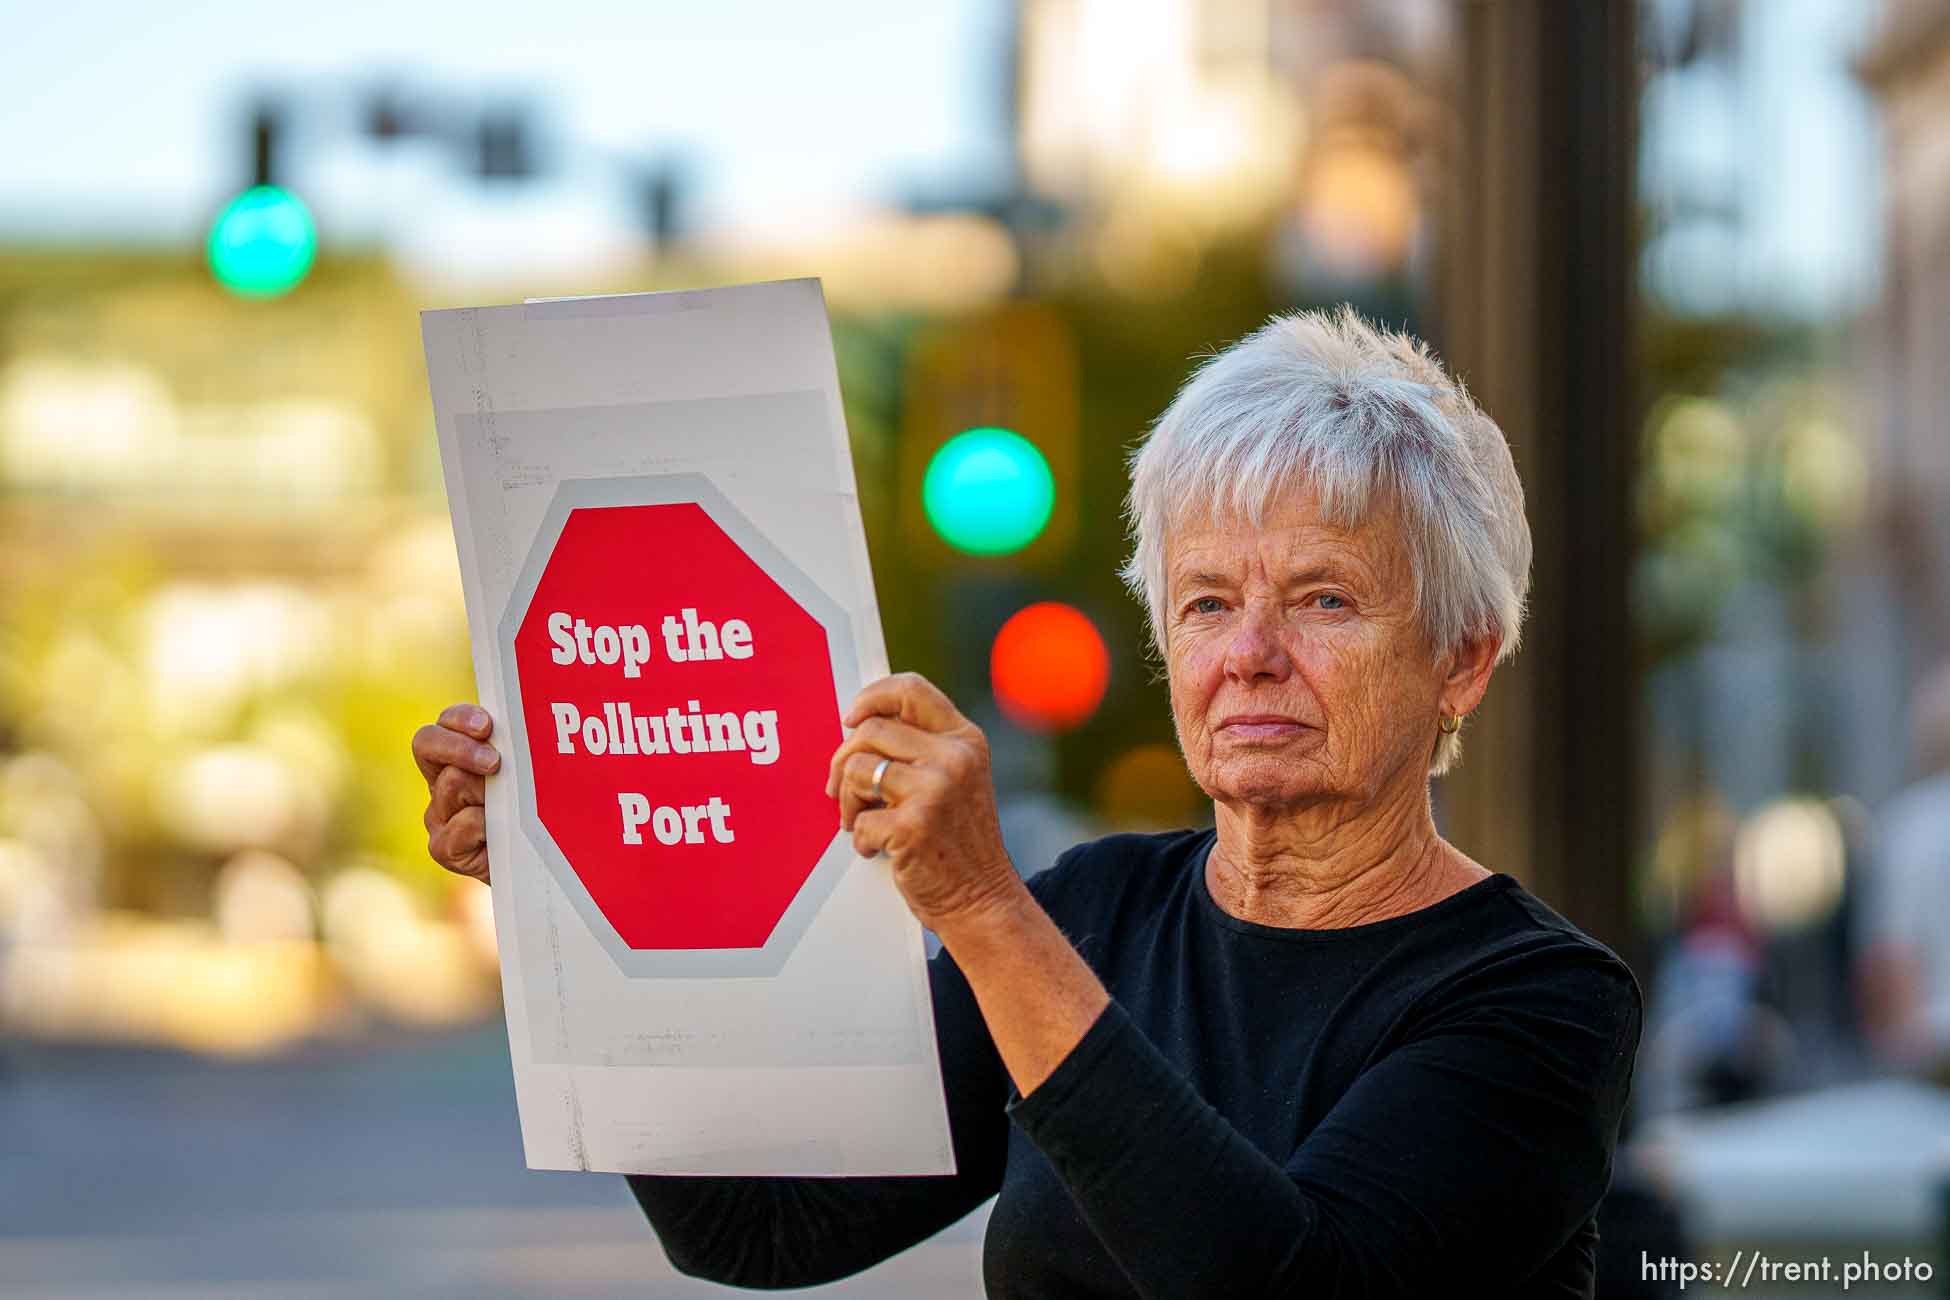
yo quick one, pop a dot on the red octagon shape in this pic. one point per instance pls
(730, 877)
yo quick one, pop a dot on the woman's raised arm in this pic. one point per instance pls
(1464, 1159)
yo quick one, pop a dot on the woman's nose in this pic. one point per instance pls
(1255, 649)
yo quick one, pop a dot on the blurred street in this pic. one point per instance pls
(379, 1171)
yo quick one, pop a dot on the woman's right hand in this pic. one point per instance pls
(455, 761)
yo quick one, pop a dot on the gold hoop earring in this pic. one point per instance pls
(1450, 725)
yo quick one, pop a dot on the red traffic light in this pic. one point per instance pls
(1049, 667)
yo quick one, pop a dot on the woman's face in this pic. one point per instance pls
(1299, 670)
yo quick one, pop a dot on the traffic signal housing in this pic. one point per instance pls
(989, 459)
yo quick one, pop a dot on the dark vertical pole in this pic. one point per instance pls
(659, 192)
(1589, 142)
(1536, 315)
(265, 126)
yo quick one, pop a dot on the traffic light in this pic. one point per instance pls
(988, 449)
(264, 241)
(1049, 667)
(988, 492)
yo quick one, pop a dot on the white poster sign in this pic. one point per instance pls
(670, 603)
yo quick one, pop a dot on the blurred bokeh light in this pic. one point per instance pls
(263, 243)
(1049, 667)
(988, 492)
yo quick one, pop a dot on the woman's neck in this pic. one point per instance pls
(1321, 868)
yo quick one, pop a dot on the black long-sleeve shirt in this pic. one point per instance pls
(1411, 1107)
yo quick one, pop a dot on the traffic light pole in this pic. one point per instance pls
(1535, 314)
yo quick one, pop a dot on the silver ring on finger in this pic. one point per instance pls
(879, 771)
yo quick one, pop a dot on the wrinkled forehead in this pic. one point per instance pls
(1300, 513)
(1298, 497)
(1292, 535)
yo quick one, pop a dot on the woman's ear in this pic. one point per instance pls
(1467, 671)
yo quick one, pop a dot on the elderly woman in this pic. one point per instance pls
(1315, 1050)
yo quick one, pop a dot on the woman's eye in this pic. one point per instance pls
(1207, 605)
(1326, 596)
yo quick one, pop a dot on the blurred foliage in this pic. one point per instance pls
(230, 644)
(227, 585)
(1748, 468)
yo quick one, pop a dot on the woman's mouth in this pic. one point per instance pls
(1261, 727)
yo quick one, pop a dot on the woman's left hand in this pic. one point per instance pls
(937, 821)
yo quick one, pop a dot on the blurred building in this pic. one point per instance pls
(1165, 125)
(1908, 67)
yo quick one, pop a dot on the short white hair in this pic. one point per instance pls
(1362, 415)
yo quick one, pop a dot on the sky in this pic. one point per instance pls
(1777, 152)
(122, 120)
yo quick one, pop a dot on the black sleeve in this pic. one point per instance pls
(791, 1232)
(1473, 1149)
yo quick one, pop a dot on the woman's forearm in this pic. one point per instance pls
(777, 1232)
(769, 1233)
(1037, 994)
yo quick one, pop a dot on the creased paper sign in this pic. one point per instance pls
(670, 603)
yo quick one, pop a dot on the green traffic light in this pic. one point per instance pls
(988, 492)
(263, 243)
